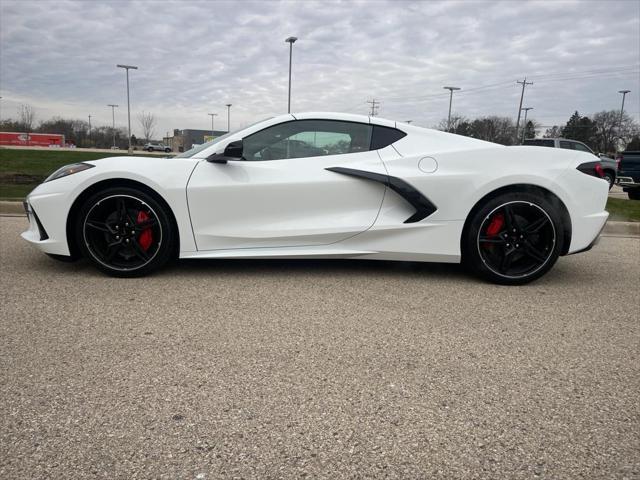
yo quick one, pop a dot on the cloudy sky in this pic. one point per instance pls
(196, 56)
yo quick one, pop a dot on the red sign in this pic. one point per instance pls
(31, 139)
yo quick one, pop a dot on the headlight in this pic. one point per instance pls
(68, 170)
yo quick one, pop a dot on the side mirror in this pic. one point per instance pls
(233, 151)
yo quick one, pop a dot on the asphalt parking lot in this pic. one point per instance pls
(334, 369)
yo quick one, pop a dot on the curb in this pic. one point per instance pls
(611, 228)
(11, 207)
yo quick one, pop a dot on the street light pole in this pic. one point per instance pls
(624, 94)
(113, 121)
(127, 68)
(229, 117)
(524, 125)
(212, 115)
(89, 130)
(451, 90)
(290, 41)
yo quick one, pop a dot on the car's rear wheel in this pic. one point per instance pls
(125, 232)
(513, 238)
(610, 177)
(167, 150)
(150, 149)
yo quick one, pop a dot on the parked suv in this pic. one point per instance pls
(157, 147)
(609, 165)
(629, 173)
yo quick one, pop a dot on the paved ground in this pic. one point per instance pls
(270, 369)
(617, 192)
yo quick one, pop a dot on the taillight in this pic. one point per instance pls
(592, 168)
(599, 170)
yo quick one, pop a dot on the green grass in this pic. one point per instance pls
(43, 162)
(39, 164)
(15, 192)
(623, 210)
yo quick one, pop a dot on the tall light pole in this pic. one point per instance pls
(89, 130)
(524, 125)
(212, 115)
(229, 117)
(451, 90)
(624, 94)
(113, 121)
(127, 68)
(290, 41)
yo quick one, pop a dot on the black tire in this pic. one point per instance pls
(611, 178)
(634, 194)
(149, 149)
(167, 150)
(110, 227)
(520, 249)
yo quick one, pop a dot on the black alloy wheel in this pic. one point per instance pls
(125, 232)
(514, 239)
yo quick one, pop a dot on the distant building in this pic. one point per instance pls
(184, 140)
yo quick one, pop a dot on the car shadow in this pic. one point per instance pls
(319, 267)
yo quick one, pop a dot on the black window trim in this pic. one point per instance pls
(372, 125)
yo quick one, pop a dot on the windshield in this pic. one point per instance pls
(190, 153)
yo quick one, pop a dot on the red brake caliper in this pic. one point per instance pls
(495, 225)
(146, 237)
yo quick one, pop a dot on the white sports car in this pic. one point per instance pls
(327, 185)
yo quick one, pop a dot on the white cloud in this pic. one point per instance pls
(196, 56)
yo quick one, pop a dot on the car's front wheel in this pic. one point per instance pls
(125, 232)
(149, 149)
(513, 238)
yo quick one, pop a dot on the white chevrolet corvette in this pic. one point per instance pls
(327, 185)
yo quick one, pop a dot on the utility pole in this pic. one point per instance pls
(374, 107)
(212, 115)
(89, 130)
(127, 68)
(229, 117)
(290, 41)
(624, 94)
(524, 124)
(451, 90)
(113, 122)
(524, 83)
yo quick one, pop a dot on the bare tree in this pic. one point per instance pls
(613, 131)
(456, 122)
(148, 124)
(553, 132)
(26, 117)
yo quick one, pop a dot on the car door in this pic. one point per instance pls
(281, 194)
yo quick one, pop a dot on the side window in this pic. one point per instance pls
(384, 136)
(539, 142)
(582, 148)
(307, 138)
(567, 145)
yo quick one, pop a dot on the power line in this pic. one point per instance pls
(578, 75)
(374, 107)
